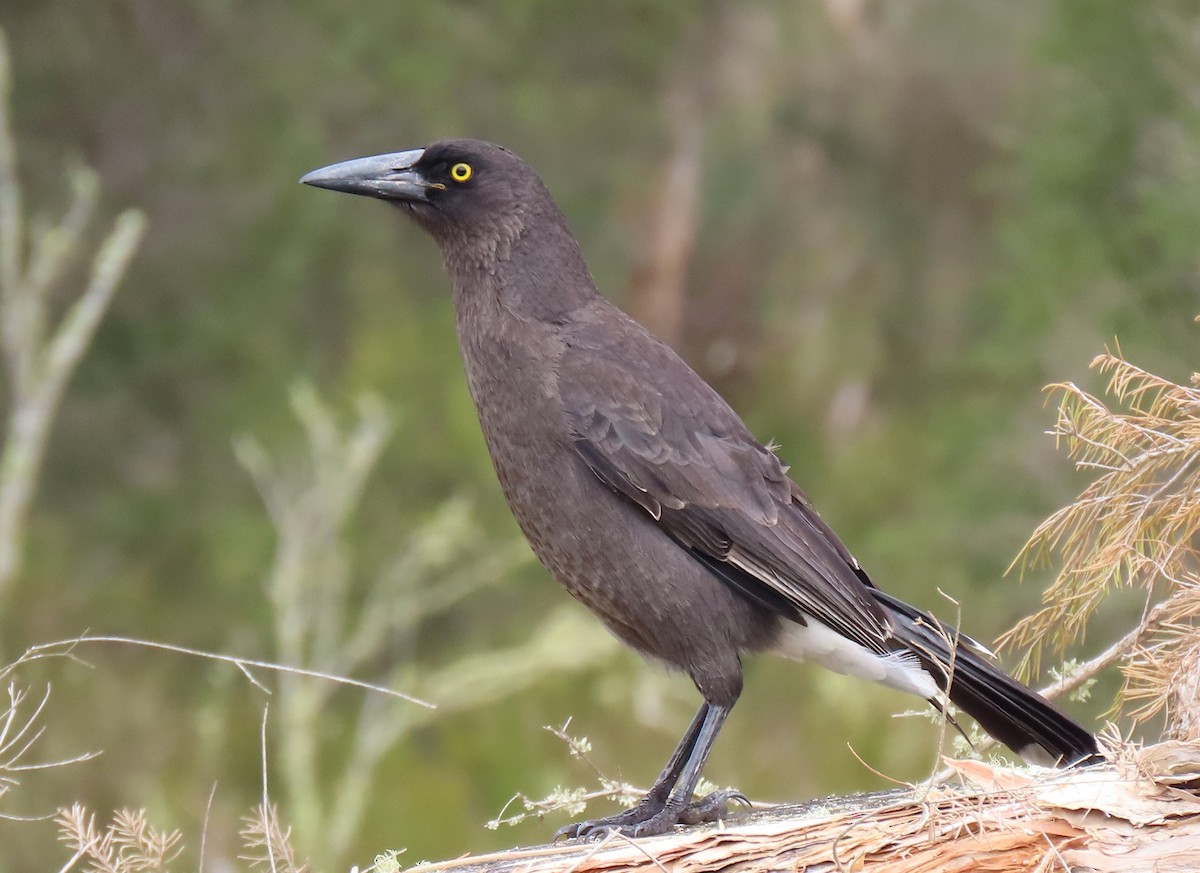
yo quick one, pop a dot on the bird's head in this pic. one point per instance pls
(458, 190)
(489, 213)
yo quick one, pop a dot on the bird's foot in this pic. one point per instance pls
(652, 817)
(622, 823)
(712, 807)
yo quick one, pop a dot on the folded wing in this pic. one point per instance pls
(655, 433)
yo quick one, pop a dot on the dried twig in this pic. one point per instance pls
(127, 844)
(20, 730)
(64, 647)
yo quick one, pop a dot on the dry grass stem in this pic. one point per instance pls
(268, 844)
(65, 647)
(127, 844)
(20, 730)
(571, 801)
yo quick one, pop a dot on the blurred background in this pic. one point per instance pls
(878, 228)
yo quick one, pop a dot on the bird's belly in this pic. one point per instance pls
(612, 556)
(608, 553)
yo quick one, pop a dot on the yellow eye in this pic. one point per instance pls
(461, 172)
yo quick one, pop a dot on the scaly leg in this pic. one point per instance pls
(669, 801)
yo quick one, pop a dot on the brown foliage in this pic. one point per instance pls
(1135, 526)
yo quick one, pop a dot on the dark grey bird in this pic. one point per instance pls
(645, 495)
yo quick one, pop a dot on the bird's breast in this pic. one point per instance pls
(556, 499)
(510, 368)
(606, 551)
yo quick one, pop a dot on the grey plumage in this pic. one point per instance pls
(643, 492)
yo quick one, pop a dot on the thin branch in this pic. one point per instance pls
(10, 191)
(74, 859)
(266, 797)
(61, 762)
(50, 649)
(204, 827)
(1089, 669)
(15, 699)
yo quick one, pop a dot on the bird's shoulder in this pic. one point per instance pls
(642, 418)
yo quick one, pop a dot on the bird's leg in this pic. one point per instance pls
(679, 803)
(656, 797)
(669, 802)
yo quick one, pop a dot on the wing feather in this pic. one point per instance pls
(657, 434)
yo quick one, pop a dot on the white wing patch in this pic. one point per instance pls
(822, 645)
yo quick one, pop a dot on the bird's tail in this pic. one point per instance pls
(1010, 712)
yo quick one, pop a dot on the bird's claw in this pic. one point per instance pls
(651, 819)
(712, 807)
(569, 832)
(600, 833)
(642, 820)
(599, 829)
(594, 831)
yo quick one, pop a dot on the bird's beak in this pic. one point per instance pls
(388, 177)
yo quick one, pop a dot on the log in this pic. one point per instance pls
(1139, 811)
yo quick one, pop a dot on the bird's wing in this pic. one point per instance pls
(657, 434)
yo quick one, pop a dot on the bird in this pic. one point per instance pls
(646, 496)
